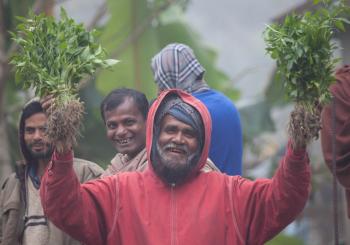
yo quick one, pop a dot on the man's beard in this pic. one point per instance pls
(42, 154)
(171, 170)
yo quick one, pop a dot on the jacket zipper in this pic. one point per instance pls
(173, 215)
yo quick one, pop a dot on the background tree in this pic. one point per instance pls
(134, 32)
(8, 100)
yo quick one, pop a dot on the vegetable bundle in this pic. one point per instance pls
(52, 59)
(302, 46)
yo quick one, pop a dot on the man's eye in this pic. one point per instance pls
(111, 125)
(170, 130)
(190, 134)
(129, 122)
(43, 129)
(29, 130)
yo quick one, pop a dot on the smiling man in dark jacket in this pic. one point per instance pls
(22, 220)
(173, 201)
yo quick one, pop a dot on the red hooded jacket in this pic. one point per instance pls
(138, 208)
(341, 93)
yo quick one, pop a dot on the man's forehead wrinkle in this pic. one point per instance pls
(172, 124)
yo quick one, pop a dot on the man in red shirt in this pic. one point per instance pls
(341, 133)
(172, 201)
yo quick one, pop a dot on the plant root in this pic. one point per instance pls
(304, 125)
(64, 124)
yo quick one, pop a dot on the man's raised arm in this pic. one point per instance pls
(266, 206)
(77, 209)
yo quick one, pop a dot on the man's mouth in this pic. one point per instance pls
(176, 150)
(123, 142)
(38, 146)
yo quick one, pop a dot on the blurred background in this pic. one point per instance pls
(227, 38)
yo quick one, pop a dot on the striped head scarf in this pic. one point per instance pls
(176, 66)
(183, 112)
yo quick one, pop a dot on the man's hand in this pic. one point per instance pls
(47, 104)
(304, 126)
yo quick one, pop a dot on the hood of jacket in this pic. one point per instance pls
(341, 93)
(31, 108)
(196, 104)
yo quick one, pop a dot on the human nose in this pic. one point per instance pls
(120, 131)
(178, 138)
(37, 134)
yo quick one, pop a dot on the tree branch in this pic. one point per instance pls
(3, 58)
(3, 33)
(101, 12)
(140, 29)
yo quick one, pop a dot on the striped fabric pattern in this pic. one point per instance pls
(36, 229)
(176, 67)
(35, 220)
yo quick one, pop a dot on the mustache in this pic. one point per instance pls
(39, 143)
(182, 148)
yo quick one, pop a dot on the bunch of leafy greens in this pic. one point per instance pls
(55, 56)
(303, 49)
(52, 59)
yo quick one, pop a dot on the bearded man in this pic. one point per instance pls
(176, 66)
(173, 201)
(22, 220)
(124, 112)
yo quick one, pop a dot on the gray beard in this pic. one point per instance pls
(170, 170)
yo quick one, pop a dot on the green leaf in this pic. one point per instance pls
(54, 55)
(111, 62)
(98, 51)
(303, 51)
(339, 24)
(344, 20)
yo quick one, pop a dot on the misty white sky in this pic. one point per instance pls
(234, 29)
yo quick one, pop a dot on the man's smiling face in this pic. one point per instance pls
(177, 143)
(126, 128)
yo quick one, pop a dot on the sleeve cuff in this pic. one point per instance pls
(62, 157)
(295, 154)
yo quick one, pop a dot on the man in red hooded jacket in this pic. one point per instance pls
(173, 202)
(341, 133)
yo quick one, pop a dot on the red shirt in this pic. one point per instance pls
(138, 208)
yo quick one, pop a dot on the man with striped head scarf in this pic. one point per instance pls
(176, 66)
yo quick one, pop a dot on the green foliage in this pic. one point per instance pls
(275, 92)
(54, 56)
(285, 240)
(134, 70)
(303, 50)
(94, 144)
(255, 119)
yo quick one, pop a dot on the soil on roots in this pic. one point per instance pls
(64, 124)
(304, 125)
